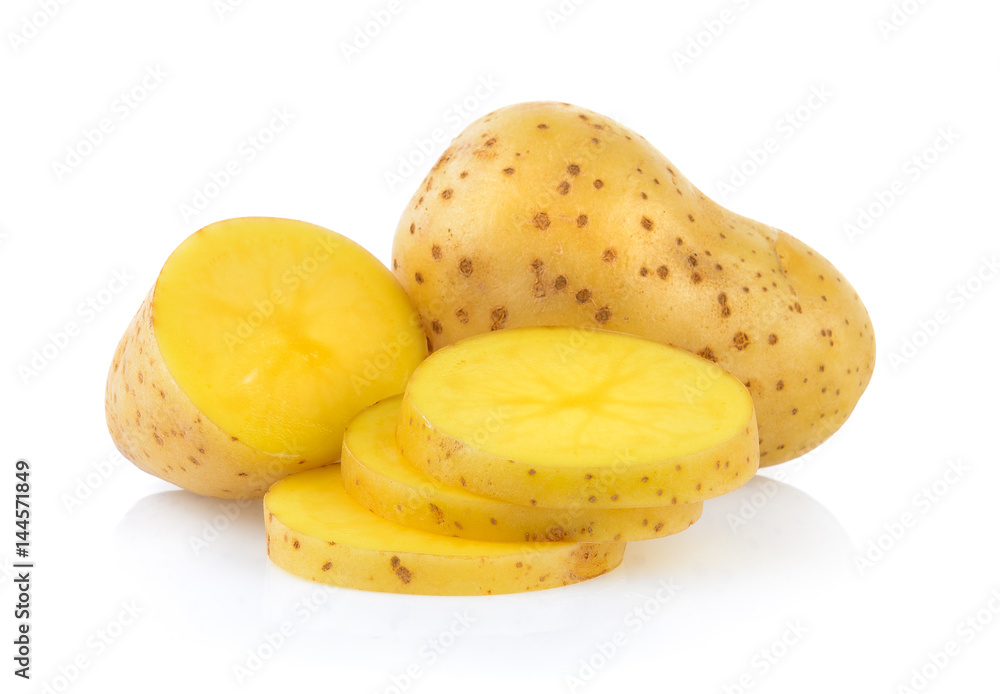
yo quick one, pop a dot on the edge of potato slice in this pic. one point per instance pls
(315, 531)
(377, 476)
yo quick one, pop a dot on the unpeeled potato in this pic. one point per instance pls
(549, 214)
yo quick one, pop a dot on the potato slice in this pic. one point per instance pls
(562, 416)
(378, 477)
(260, 340)
(314, 530)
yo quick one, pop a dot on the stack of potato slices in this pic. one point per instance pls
(518, 460)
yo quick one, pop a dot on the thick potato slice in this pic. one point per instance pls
(549, 214)
(260, 340)
(314, 530)
(378, 477)
(557, 417)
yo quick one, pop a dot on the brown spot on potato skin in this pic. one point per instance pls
(581, 221)
(509, 170)
(543, 126)
(741, 341)
(447, 193)
(563, 187)
(603, 315)
(609, 255)
(436, 252)
(560, 283)
(436, 327)
(598, 183)
(498, 318)
(541, 220)
(646, 223)
(418, 277)
(462, 316)
(413, 228)
(583, 296)
(437, 513)
(662, 272)
(724, 304)
(465, 267)
(402, 573)
(772, 339)
(573, 170)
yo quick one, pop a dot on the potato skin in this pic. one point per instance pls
(548, 214)
(315, 531)
(385, 571)
(156, 426)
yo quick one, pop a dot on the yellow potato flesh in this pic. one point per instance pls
(279, 331)
(381, 480)
(564, 416)
(316, 531)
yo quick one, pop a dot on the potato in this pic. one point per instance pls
(259, 341)
(377, 477)
(549, 214)
(314, 530)
(569, 417)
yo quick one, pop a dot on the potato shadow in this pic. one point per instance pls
(196, 555)
(753, 555)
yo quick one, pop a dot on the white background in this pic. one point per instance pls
(781, 600)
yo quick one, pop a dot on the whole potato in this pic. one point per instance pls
(549, 214)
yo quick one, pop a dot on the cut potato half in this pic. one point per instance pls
(378, 477)
(316, 531)
(259, 341)
(558, 417)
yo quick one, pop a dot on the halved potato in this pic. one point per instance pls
(557, 417)
(314, 530)
(378, 477)
(259, 341)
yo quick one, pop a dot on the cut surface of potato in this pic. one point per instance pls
(257, 318)
(259, 341)
(546, 213)
(316, 531)
(562, 416)
(378, 477)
